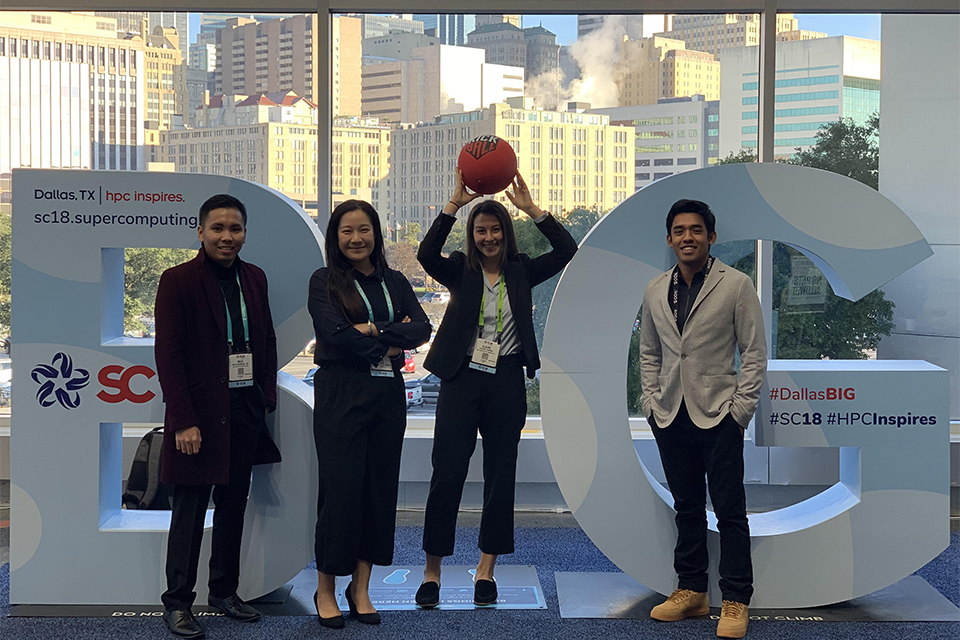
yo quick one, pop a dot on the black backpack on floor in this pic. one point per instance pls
(144, 489)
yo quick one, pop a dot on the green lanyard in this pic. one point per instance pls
(243, 318)
(386, 294)
(483, 306)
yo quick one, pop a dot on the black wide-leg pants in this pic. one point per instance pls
(230, 501)
(358, 425)
(689, 453)
(496, 406)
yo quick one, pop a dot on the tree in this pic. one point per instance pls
(844, 329)
(410, 233)
(5, 254)
(402, 256)
(141, 275)
(847, 148)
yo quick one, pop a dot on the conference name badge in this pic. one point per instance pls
(383, 369)
(485, 355)
(241, 369)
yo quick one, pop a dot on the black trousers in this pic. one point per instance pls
(358, 425)
(688, 453)
(230, 501)
(496, 405)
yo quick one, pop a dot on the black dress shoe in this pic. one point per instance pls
(333, 622)
(484, 592)
(235, 608)
(428, 595)
(182, 624)
(365, 618)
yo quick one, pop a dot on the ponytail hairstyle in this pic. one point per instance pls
(508, 248)
(340, 288)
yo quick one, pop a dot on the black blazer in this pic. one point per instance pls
(521, 274)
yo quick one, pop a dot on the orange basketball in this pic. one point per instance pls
(488, 164)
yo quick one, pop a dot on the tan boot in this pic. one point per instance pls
(734, 617)
(682, 603)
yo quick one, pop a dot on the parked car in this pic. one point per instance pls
(430, 386)
(416, 282)
(409, 366)
(442, 296)
(412, 391)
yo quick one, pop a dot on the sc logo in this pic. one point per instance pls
(113, 376)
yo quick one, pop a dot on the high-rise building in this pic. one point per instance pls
(94, 118)
(503, 42)
(632, 26)
(653, 68)
(673, 136)
(166, 78)
(374, 26)
(451, 28)
(433, 81)
(281, 55)
(714, 32)
(817, 82)
(543, 52)
(568, 159)
(211, 22)
(130, 22)
(495, 18)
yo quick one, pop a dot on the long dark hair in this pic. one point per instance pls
(340, 287)
(508, 248)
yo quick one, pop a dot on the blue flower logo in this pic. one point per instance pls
(60, 382)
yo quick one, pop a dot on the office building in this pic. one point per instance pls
(653, 68)
(130, 22)
(166, 78)
(673, 136)
(632, 26)
(496, 18)
(569, 159)
(818, 81)
(452, 28)
(211, 22)
(436, 80)
(714, 32)
(281, 55)
(374, 26)
(94, 120)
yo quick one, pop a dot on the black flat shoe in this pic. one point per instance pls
(428, 595)
(484, 593)
(365, 618)
(234, 608)
(182, 624)
(333, 622)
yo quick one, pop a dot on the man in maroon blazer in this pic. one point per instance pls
(216, 356)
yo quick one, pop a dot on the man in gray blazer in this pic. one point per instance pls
(693, 317)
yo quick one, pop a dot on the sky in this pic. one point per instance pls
(859, 25)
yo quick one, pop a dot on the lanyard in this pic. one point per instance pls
(675, 290)
(386, 294)
(243, 317)
(483, 306)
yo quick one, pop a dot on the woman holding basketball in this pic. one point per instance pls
(481, 347)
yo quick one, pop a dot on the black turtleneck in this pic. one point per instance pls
(227, 279)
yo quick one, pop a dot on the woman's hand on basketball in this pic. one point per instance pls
(522, 199)
(461, 195)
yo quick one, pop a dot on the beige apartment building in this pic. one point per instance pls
(568, 159)
(714, 32)
(653, 68)
(272, 139)
(281, 55)
(166, 77)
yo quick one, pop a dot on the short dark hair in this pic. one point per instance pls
(222, 201)
(509, 247)
(702, 209)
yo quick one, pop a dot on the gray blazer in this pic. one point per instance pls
(699, 365)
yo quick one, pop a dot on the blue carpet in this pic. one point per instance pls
(549, 550)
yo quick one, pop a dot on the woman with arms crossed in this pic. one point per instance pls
(481, 347)
(364, 314)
